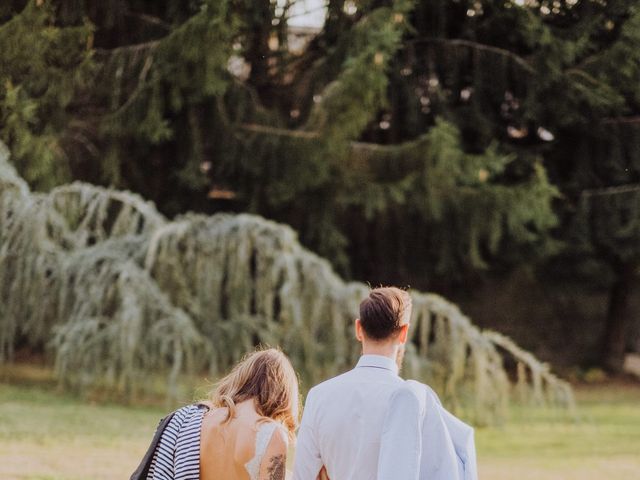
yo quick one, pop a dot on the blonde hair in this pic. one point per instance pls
(268, 377)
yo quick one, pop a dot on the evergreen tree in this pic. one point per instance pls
(596, 159)
(551, 79)
(394, 197)
(410, 141)
(43, 66)
(483, 98)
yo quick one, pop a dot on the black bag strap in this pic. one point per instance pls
(143, 469)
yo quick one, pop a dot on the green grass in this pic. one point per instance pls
(46, 435)
(602, 441)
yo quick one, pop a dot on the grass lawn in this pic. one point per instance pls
(603, 442)
(46, 435)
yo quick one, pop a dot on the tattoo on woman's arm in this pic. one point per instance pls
(276, 468)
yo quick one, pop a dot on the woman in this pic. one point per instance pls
(242, 433)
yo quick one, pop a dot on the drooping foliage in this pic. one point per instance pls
(117, 292)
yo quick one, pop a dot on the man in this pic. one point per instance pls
(343, 418)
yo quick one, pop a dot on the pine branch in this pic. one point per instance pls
(281, 132)
(458, 42)
(286, 132)
(622, 120)
(149, 19)
(372, 147)
(619, 189)
(137, 47)
(137, 92)
(586, 76)
(89, 146)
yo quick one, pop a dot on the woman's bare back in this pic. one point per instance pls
(245, 448)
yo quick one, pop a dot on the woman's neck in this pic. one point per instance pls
(247, 408)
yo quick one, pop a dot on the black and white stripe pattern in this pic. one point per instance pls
(177, 456)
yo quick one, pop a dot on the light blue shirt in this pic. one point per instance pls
(343, 419)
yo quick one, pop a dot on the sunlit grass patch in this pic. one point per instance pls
(602, 440)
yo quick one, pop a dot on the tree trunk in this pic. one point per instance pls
(617, 327)
(258, 53)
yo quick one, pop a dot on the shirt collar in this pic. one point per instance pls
(378, 361)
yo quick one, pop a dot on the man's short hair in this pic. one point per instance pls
(383, 312)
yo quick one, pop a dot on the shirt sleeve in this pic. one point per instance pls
(308, 462)
(401, 441)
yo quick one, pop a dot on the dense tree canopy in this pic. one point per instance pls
(409, 141)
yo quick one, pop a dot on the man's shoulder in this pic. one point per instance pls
(414, 391)
(331, 384)
(421, 389)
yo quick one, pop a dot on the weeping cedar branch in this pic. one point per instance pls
(116, 292)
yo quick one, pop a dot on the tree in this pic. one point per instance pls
(330, 145)
(559, 84)
(43, 67)
(409, 141)
(117, 293)
(111, 92)
(558, 80)
(166, 109)
(594, 159)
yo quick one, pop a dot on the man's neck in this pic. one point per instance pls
(382, 349)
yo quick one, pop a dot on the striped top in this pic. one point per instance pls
(177, 456)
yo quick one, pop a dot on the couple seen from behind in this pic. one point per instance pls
(366, 424)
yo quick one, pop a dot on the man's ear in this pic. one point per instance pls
(358, 327)
(403, 333)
